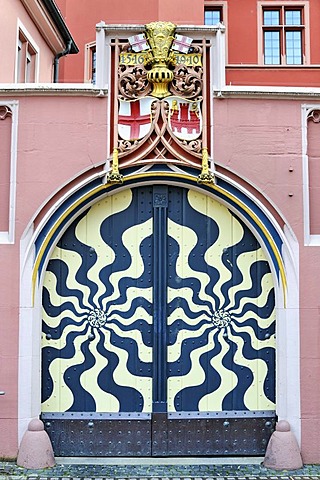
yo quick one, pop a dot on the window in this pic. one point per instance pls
(26, 60)
(93, 65)
(283, 35)
(90, 63)
(8, 167)
(212, 15)
(310, 171)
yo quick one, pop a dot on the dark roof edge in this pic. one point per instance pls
(60, 24)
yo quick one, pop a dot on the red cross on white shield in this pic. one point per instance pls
(134, 120)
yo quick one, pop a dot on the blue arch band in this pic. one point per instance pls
(229, 194)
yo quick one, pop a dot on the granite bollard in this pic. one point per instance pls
(35, 450)
(283, 451)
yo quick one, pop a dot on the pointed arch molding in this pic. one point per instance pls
(238, 200)
(261, 217)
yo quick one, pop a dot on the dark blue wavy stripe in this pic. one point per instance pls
(183, 365)
(234, 400)
(267, 354)
(69, 241)
(262, 311)
(137, 302)
(130, 399)
(207, 230)
(134, 365)
(61, 270)
(190, 311)
(55, 311)
(57, 332)
(112, 229)
(192, 282)
(178, 325)
(50, 353)
(83, 401)
(229, 258)
(141, 325)
(189, 397)
(260, 333)
(257, 271)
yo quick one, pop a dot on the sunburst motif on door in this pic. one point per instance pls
(97, 321)
(221, 315)
(98, 309)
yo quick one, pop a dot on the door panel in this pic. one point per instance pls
(158, 330)
(97, 297)
(221, 314)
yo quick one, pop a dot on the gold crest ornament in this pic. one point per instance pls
(206, 176)
(160, 36)
(115, 176)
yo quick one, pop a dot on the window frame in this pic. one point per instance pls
(8, 236)
(27, 57)
(89, 71)
(213, 8)
(222, 5)
(310, 239)
(283, 28)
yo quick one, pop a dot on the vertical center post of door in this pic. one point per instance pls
(160, 207)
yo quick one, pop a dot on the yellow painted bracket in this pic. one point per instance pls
(206, 176)
(115, 176)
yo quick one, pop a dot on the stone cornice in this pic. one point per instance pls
(51, 89)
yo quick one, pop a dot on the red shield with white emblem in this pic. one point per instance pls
(185, 118)
(134, 119)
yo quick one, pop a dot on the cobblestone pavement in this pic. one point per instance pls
(9, 470)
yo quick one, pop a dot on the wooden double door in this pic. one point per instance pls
(158, 330)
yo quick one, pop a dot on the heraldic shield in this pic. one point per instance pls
(134, 120)
(185, 118)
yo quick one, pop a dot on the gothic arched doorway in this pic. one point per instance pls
(158, 330)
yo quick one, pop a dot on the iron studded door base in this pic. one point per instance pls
(202, 435)
(99, 435)
(242, 433)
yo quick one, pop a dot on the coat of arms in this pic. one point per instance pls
(160, 100)
(134, 119)
(185, 118)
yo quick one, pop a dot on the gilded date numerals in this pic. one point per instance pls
(188, 59)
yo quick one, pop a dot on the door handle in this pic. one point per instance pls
(2, 393)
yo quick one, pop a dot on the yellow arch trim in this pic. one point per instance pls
(172, 175)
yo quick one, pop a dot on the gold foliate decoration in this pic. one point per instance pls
(205, 176)
(160, 36)
(115, 176)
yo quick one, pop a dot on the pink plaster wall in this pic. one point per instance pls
(11, 11)
(310, 352)
(82, 22)
(262, 141)
(58, 138)
(54, 148)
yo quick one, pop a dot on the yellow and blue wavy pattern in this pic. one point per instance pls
(221, 316)
(98, 310)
